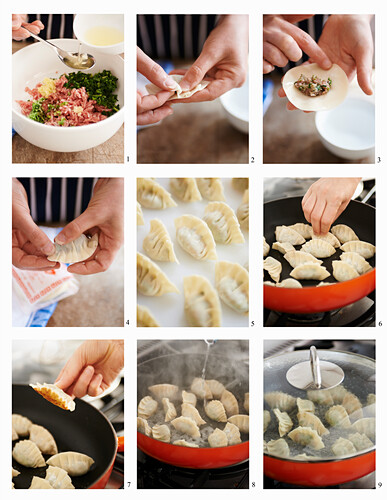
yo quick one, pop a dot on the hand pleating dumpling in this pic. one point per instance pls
(195, 237)
(151, 280)
(28, 454)
(223, 223)
(76, 251)
(232, 284)
(54, 395)
(43, 439)
(74, 463)
(185, 188)
(152, 195)
(201, 302)
(158, 244)
(179, 93)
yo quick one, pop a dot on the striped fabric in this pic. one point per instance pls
(55, 25)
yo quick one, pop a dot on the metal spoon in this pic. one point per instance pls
(71, 59)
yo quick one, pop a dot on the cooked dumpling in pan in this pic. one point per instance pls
(305, 230)
(183, 442)
(278, 448)
(269, 283)
(366, 250)
(306, 437)
(151, 280)
(188, 397)
(305, 405)
(241, 421)
(266, 247)
(232, 433)
(188, 410)
(38, 483)
(186, 425)
(284, 247)
(21, 425)
(296, 258)
(201, 302)
(147, 407)
(352, 404)
(143, 426)
(185, 189)
(169, 410)
(343, 271)
(230, 403)
(223, 223)
(43, 439)
(246, 403)
(74, 463)
(158, 244)
(216, 388)
(201, 389)
(145, 317)
(337, 416)
(243, 212)
(232, 284)
(318, 248)
(273, 267)
(14, 434)
(58, 478)
(338, 393)
(140, 217)
(76, 251)
(15, 472)
(286, 234)
(342, 447)
(371, 399)
(308, 419)
(211, 188)
(161, 433)
(218, 439)
(289, 283)
(344, 233)
(195, 237)
(28, 454)
(310, 272)
(365, 426)
(320, 397)
(215, 411)
(266, 420)
(329, 238)
(284, 422)
(360, 441)
(151, 195)
(161, 391)
(356, 261)
(281, 400)
(54, 395)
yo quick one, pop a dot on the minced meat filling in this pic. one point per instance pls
(313, 86)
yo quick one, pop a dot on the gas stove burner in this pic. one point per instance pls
(312, 318)
(366, 482)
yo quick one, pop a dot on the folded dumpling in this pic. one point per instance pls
(147, 407)
(320, 397)
(161, 391)
(329, 238)
(21, 425)
(342, 271)
(28, 454)
(43, 439)
(304, 405)
(38, 483)
(58, 478)
(360, 441)
(169, 410)
(366, 250)
(338, 393)
(143, 426)
(356, 261)
(246, 402)
(150, 194)
(289, 235)
(289, 283)
(161, 433)
(352, 404)
(283, 247)
(179, 93)
(273, 267)
(188, 410)
(158, 244)
(74, 463)
(296, 258)
(201, 302)
(310, 272)
(305, 230)
(281, 400)
(308, 419)
(232, 433)
(365, 426)
(145, 317)
(216, 387)
(188, 397)
(306, 436)
(187, 426)
(243, 212)
(266, 247)
(337, 416)
(285, 423)
(223, 223)
(76, 251)
(266, 420)
(241, 421)
(344, 233)
(183, 442)
(318, 248)
(201, 388)
(140, 217)
(151, 280)
(230, 403)
(278, 448)
(215, 411)
(232, 284)
(195, 237)
(218, 439)
(15, 472)
(185, 188)
(211, 188)
(54, 395)
(342, 447)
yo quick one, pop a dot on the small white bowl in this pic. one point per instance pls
(84, 22)
(236, 104)
(348, 131)
(37, 61)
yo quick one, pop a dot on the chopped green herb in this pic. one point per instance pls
(37, 114)
(61, 122)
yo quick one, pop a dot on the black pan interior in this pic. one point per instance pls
(85, 430)
(287, 211)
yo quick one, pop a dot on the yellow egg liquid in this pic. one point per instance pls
(104, 35)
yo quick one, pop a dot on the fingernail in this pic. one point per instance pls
(170, 83)
(15, 23)
(48, 248)
(60, 239)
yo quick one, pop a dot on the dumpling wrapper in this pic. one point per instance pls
(54, 395)
(332, 99)
(76, 251)
(179, 94)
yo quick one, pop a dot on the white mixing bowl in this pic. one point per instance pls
(29, 66)
(236, 104)
(84, 22)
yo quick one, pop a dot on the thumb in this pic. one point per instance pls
(36, 236)
(196, 72)
(16, 21)
(154, 72)
(77, 227)
(363, 59)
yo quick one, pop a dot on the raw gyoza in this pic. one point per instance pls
(74, 463)
(232, 284)
(241, 421)
(218, 439)
(296, 258)
(150, 194)
(211, 188)
(158, 244)
(185, 189)
(145, 317)
(183, 442)
(320, 397)
(195, 237)
(289, 283)
(54, 395)
(21, 425)
(178, 92)
(188, 410)
(169, 409)
(43, 439)
(201, 389)
(143, 426)
(151, 280)
(361, 441)
(215, 411)
(28, 454)
(140, 217)
(266, 420)
(216, 387)
(147, 407)
(308, 419)
(343, 271)
(186, 425)
(304, 405)
(286, 234)
(76, 251)
(223, 223)
(243, 212)
(266, 247)
(161, 433)
(230, 403)
(329, 238)
(337, 416)
(310, 272)
(58, 478)
(201, 302)
(305, 230)
(38, 483)
(281, 400)
(283, 247)
(366, 250)
(356, 261)
(240, 183)
(365, 426)
(278, 447)
(232, 433)
(344, 233)
(161, 391)
(306, 437)
(284, 422)
(342, 447)
(318, 248)
(188, 397)
(273, 267)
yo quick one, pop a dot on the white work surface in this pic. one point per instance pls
(168, 310)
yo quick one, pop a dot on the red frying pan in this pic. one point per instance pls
(85, 430)
(310, 299)
(180, 369)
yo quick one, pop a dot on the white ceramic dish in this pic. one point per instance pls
(236, 105)
(84, 22)
(29, 66)
(348, 131)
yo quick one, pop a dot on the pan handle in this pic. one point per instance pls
(120, 442)
(368, 196)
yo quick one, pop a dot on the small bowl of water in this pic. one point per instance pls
(100, 32)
